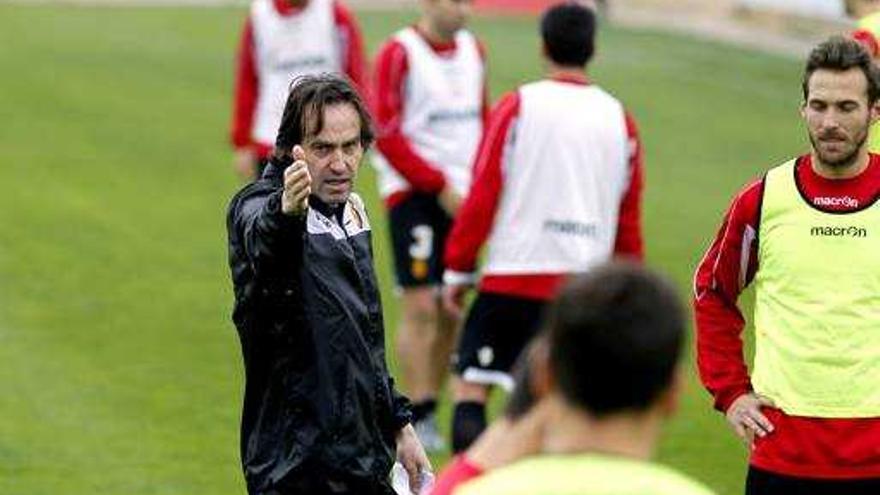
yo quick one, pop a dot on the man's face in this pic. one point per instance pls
(334, 154)
(837, 115)
(448, 16)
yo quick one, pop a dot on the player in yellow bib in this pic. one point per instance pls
(613, 378)
(805, 236)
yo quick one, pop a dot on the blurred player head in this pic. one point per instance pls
(326, 117)
(568, 31)
(616, 335)
(861, 8)
(840, 88)
(443, 18)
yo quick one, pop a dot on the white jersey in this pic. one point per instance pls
(442, 110)
(287, 47)
(565, 168)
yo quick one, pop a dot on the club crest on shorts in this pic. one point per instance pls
(485, 355)
(419, 269)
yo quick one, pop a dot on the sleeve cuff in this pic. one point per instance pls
(437, 185)
(452, 277)
(278, 217)
(724, 399)
(401, 419)
(238, 141)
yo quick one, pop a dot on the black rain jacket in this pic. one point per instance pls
(309, 318)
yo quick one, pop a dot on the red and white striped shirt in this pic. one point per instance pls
(798, 446)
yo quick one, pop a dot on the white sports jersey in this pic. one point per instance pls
(442, 110)
(287, 47)
(565, 170)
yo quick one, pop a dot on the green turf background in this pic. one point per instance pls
(120, 368)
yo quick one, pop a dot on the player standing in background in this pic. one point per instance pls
(807, 235)
(557, 184)
(430, 104)
(281, 40)
(867, 15)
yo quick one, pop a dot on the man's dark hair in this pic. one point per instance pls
(304, 112)
(839, 53)
(616, 335)
(569, 32)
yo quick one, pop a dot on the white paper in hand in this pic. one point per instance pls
(427, 479)
(400, 481)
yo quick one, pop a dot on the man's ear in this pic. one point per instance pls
(671, 397)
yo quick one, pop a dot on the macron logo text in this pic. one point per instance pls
(839, 232)
(836, 201)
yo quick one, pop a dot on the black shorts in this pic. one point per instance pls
(497, 329)
(419, 226)
(760, 482)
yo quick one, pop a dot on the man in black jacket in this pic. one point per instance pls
(321, 415)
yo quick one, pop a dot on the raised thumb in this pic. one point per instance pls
(299, 153)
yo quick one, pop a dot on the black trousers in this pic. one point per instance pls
(760, 482)
(311, 479)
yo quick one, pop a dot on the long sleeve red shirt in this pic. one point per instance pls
(390, 76)
(798, 446)
(352, 55)
(473, 223)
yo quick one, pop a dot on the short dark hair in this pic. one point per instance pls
(839, 53)
(616, 335)
(309, 96)
(569, 32)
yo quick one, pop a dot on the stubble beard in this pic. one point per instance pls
(847, 160)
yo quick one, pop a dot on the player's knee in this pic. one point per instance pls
(420, 306)
(463, 391)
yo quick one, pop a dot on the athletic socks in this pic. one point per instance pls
(468, 421)
(423, 409)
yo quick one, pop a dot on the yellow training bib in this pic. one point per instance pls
(582, 474)
(817, 305)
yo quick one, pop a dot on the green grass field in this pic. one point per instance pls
(121, 371)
